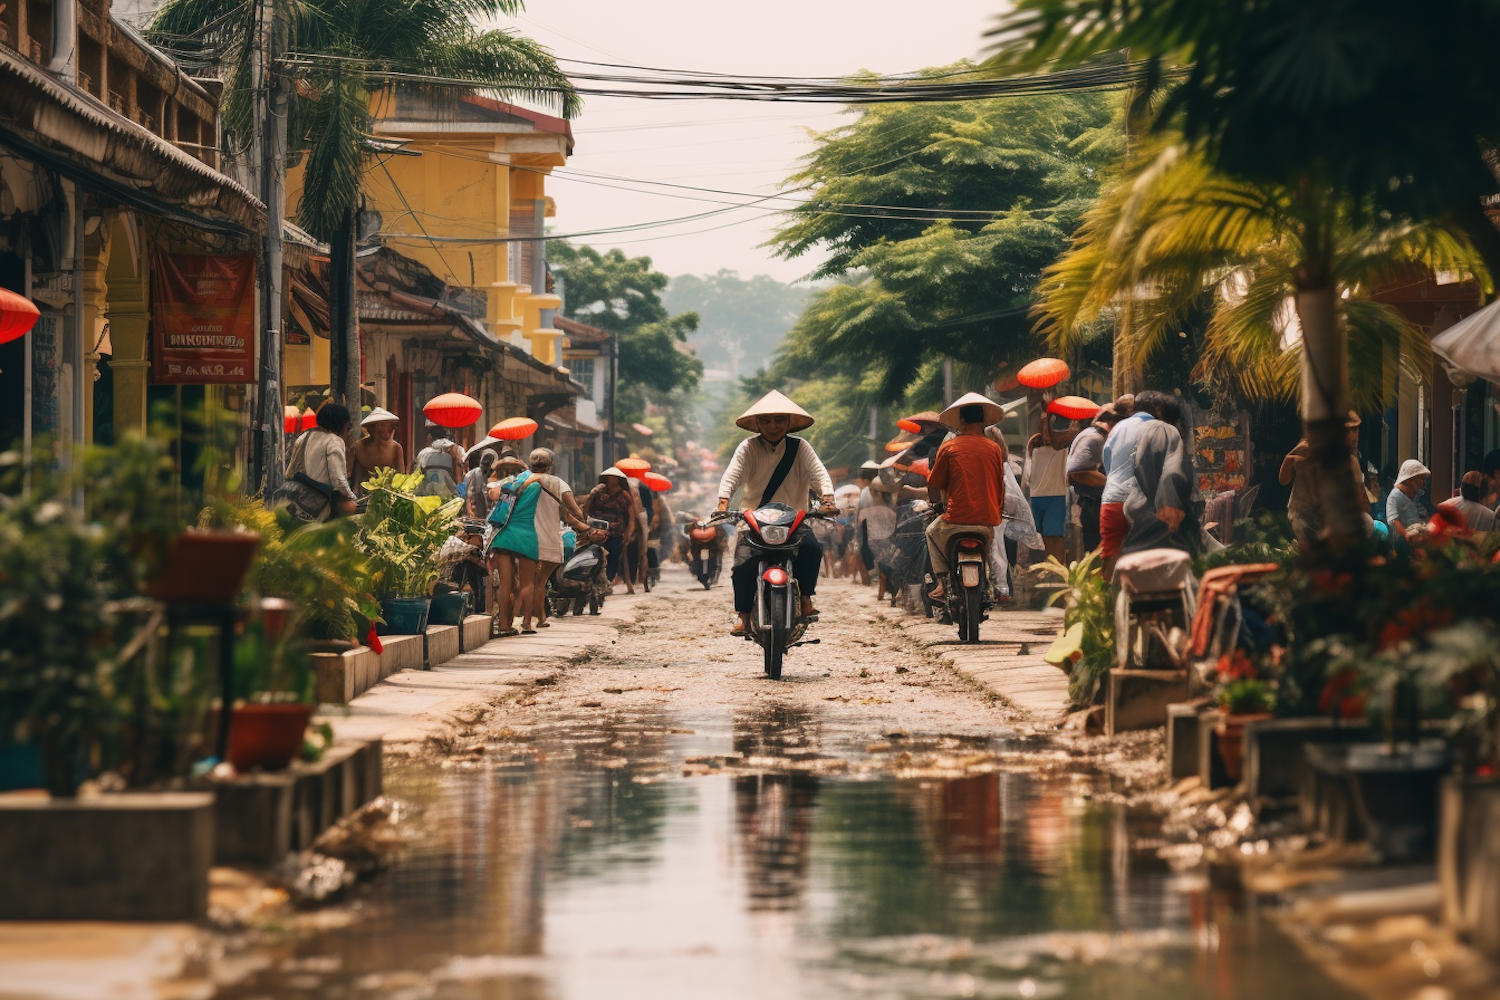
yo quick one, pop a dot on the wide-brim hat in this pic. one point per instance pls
(993, 412)
(379, 415)
(485, 442)
(1411, 469)
(771, 404)
(616, 473)
(869, 465)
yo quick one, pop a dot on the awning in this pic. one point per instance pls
(566, 419)
(54, 123)
(1473, 343)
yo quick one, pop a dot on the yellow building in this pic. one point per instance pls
(463, 206)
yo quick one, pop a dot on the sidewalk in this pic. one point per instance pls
(410, 706)
(1007, 660)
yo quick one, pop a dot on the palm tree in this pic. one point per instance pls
(1346, 108)
(1169, 236)
(326, 60)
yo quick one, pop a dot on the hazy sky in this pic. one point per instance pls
(734, 146)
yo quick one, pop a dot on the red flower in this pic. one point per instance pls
(372, 639)
(1236, 666)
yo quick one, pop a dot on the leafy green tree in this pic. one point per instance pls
(943, 217)
(1169, 240)
(623, 295)
(743, 320)
(1353, 106)
(328, 59)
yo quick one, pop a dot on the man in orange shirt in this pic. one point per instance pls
(968, 475)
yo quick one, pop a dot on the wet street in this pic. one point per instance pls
(660, 821)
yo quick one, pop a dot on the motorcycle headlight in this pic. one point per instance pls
(775, 534)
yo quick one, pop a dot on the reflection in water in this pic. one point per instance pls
(562, 875)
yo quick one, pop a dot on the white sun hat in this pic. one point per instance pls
(993, 411)
(771, 404)
(379, 415)
(1411, 469)
(612, 471)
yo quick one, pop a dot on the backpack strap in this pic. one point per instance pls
(782, 470)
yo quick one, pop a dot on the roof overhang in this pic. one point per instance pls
(54, 123)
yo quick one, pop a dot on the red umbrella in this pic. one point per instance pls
(513, 429)
(1043, 373)
(309, 420)
(18, 315)
(452, 409)
(290, 418)
(633, 467)
(657, 482)
(1074, 407)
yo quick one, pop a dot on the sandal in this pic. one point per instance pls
(528, 631)
(506, 633)
(543, 624)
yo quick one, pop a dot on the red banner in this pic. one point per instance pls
(203, 319)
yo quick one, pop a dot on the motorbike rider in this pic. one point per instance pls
(969, 475)
(774, 466)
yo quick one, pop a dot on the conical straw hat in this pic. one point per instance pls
(993, 413)
(772, 403)
(379, 415)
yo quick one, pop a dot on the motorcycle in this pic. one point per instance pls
(583, 580)
(705, 550)
(773, 533)
(967, 593)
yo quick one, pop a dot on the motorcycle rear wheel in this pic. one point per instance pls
(973, 612)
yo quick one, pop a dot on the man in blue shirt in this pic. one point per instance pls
(1119, 471)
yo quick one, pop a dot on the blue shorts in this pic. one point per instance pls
(1050, 514)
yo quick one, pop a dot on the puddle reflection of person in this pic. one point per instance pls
(774, 812)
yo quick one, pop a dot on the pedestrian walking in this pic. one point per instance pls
(317, 475)
(528, 535)
(378, 449)
(1403, 512)
(1119, 471)
(611, 502)
(555, 507)
(1160, 509)
(1047, 484)
(441, 464)
(476, 483)
(1086, 472)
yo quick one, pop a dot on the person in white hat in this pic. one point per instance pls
(378, 449)
(775, 466)
(1402, 510)
(968, 477)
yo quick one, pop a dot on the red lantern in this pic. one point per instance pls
(909, 425)
(896, 447)
(633, 467)
(309, 420)
(513, 429)
(1043, 373)
(1074, 408)
(921, 467)
(18, 315)
(656, 481)
(290, 418)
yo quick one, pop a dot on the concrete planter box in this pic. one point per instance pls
(1468, 859)
(342, 677)
(258, 818)
(1211, 770)
(113, 857)
(1327, 798)
(1274, 759)
(1138, 699)
(442, 644)
(1182, 738)
(473, 633)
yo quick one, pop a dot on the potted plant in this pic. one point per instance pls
(1084, 593)
(1243, 698)
(308, 584)
(401, 534)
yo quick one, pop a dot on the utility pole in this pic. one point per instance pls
(947, 381)
(268, 164)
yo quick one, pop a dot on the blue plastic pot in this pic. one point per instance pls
(404, 615)
(448, 609)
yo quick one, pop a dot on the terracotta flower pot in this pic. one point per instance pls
(205, 567)
(1230, 730)
(267, 737)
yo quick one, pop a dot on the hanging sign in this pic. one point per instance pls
(202, 319)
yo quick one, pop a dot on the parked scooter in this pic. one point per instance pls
(774, 533)
(706, 543)
(583, 580)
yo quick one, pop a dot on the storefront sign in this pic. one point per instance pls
(202, 319)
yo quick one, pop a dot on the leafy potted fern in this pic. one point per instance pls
(1243, 698)
(401, 535)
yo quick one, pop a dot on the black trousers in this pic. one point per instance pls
(1088, 521)
(805, 566)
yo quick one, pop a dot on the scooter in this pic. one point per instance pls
(967, 594)
(774, 533)
(583, 580)
(705, 546)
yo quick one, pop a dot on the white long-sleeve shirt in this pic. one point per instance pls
(754, 461)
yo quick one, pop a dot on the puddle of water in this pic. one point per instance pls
(564, 876)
